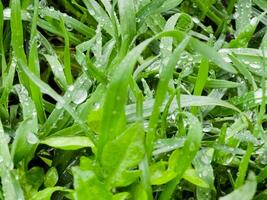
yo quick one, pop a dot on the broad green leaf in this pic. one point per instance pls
(245, 192)
(25, 142)
(31, 181)
(121, 196)
(192, 176)
(51, 177)
(116, 154)
(68, 143)
(87, 186)
(46, 193)
(159, 175)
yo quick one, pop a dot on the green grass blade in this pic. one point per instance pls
(201, 80)
(17, 38)
(127, 22)
(67, 59)
(191, 146)
(35, 67)
(165, 77)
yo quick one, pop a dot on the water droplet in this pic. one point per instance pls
(51, 8)
(79, 96)
(69, 27)
(71, 88)
(59, 105)
(34, 114)
(254, 21)
(236, 15)
(205, 173)
(92, 12)
(1, 159)
(42, 3)
(97, 106)
(32, 138)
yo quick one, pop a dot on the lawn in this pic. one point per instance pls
(133, 99)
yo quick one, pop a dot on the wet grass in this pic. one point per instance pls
(131, 99)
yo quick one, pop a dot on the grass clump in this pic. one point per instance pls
(133, 99)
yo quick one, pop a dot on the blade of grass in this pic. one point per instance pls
(165, 77)
(190, 148)
(34, 66)
(17, 38)
(201, 80)
(127, 23)
(67, 59)
(10, 185)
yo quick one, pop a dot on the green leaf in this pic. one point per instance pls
(245, 192)
(46, 193)
(25, 142)
(57, 69)
(10, 186)
(87, 186)
(122, 154)
(159, 175)
(243, 14)
(165, 77)
(17, 39)
(180, 163)
(192, 176)
(32, 180)
(100, 16)
(51, 177)
(68, 143)
(127, 21)
(26, 139)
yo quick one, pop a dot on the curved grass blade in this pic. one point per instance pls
(72, 22)
(190, 148)
(100, 16)
(26, 139)
(245, 192)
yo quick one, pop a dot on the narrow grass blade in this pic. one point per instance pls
(191, 146)
(165, 77)
(67, 58)
(17, 38)
(35, 67)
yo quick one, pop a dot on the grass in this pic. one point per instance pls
(133, 99)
